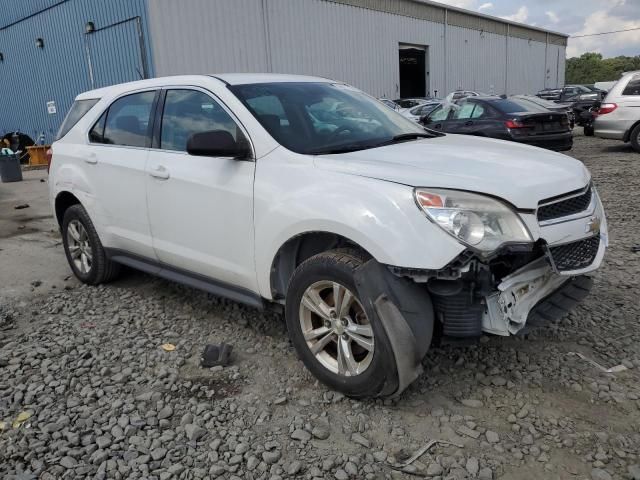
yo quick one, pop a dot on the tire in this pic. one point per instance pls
(85, 253)
(588, 131)
(634, 138)
(316, 276)
(558, 305)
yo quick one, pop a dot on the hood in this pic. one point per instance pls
(520, 174)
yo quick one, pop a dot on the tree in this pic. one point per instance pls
(590, 67)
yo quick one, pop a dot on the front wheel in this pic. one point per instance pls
(330, 330)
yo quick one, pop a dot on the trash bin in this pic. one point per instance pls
(10, 170)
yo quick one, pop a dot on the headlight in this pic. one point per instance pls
(476, 220)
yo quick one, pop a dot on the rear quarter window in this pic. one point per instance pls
(78, 110)
(633, 87)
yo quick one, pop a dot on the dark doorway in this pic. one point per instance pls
(413, 71)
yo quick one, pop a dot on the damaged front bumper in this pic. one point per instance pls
(508, 309)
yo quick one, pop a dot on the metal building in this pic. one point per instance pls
(50, 50)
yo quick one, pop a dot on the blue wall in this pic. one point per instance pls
(31, 76)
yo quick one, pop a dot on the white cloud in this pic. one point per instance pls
(552, 16)
(602, 21)
(520, 16)
(485, 6)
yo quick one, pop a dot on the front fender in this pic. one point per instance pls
(292, 197)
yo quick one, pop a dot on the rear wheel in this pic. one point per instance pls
(85, 254)
(635, 138)
(588, 131)
(330, 329)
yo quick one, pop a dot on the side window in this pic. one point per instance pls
(633, 87)
(480, 112)
(187, 112)
(464, 112)
(76, 112)
(96, 134)
(127, 121)
(438, 115)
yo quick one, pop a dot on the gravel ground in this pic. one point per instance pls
(93, 394)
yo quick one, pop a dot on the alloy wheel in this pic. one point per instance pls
(79, 247)
(336, 328)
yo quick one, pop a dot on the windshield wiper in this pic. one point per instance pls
(341, 149)
(354, 147)
(404, 137)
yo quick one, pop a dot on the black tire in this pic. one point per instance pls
(338, 266)
(102, 269)
(561, 302)
(634, 138)
(588, 131)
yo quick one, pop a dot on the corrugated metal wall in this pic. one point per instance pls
(31, 76)
(352, 40)
(205, 36)
(352, 44)
(526, 66)
(14, 10)
(475, 60)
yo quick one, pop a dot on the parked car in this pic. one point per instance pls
(604, 86)
(506, 119)
(390, 103)
(416, 113)
(549, 105)
(549, 93)
(618, 117)
(459, 94)
(404, 103)
(371, 241)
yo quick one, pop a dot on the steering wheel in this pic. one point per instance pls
(338, 131)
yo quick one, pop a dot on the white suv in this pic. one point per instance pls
(375, 235)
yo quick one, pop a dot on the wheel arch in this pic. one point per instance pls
(299, 248)
(63, 201)
(627, 135)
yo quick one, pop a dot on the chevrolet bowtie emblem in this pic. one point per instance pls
(593, 226)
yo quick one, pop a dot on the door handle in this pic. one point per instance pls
(160, 172)
(437, 125)
(469, 123)
(91, 158)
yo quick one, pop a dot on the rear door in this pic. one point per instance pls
(200, 208)
(116, 161)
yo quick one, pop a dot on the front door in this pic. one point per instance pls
(200, 208)
(437, 119)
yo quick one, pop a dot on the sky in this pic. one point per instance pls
(573, 17)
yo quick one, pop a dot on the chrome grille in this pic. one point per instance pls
(575, 255)
(565, 207)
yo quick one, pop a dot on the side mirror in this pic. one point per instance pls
(217, 143)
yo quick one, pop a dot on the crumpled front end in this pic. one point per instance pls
(522, 285)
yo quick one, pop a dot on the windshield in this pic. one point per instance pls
(316, 118)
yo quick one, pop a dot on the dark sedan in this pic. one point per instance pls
(505, 119)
